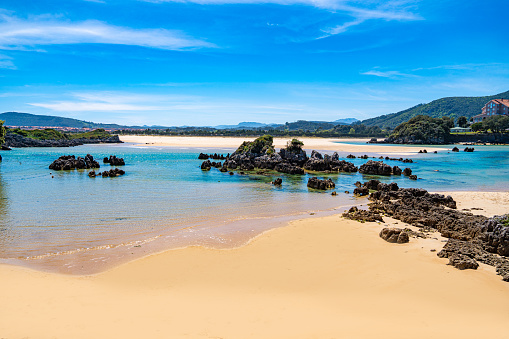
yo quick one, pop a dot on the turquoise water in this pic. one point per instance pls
(70, 223)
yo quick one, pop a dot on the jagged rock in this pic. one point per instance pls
(114, 161)
(206, 165)
(288, 168)
(376, 168)
(462, 262)
(394, 235)
(277, 182)
(361, 191)
(316, 183)
(69, 162)
(496, 235)
(202, 156)
(396, 170)
(362, 215)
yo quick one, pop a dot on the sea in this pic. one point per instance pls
(67, 222)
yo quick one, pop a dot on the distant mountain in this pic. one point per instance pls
(452, 107)
(26, 119)
(347, 121)
(244, 125)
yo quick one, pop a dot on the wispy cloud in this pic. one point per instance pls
(23, 34)
(389, 74)
(360, 11)
(6, 62)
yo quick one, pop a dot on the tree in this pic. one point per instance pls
(462, 121)
(449, 122)
(2, 132)
(477, 126)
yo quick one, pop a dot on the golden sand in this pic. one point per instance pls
(316, 278)
(325, 144)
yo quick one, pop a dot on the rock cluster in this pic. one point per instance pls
(114, 161)
(472, 238)
(379, 168)
(114, 172)
(214, 156)
(207, 165)
(327, 163)
(362, 215)
(70, 162)
(260, 154)
(319, 184)
(468, 149)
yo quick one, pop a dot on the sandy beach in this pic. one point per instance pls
(319, 277)
(315, 278)
(323, 144)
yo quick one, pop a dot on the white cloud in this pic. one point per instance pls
(360, 11)
(389, 74)
(6, 62)
(24, 34)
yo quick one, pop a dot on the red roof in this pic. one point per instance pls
(504, 102)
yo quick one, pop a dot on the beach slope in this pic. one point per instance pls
(316, 278)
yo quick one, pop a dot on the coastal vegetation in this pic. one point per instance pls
(52, 134)
(452, 107)
(2, 132)
(297, 129)
(494, 124)
(422, 129)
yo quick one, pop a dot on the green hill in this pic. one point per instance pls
(452, 107)
(26, 119)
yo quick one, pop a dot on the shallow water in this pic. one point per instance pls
(67, 222)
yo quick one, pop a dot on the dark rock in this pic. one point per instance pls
(407, 172)
(288, 168)
(277, 182)
(462, 262)
(396, 170)
(351, 156)
(362, 215)
(206, 165)
(361, 191)
(455, 149)
(394, 235)
(202, 156)
(114, 161)
(376, 168)
(412, 177)
(468, 149)
(316, 183)
(5, 148)
(69, 162)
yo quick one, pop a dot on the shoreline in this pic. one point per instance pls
(319, 144)
(321, 276)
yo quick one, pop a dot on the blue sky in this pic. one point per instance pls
(203, 62)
